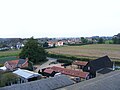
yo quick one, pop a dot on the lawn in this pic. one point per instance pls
(91, 51)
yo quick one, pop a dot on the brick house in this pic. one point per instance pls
(13, 64)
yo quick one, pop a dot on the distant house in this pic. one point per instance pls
(56, 43)
(13, 64)
(50, 44)
(59, 43)
(97, 65)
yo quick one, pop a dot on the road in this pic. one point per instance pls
(39, 67)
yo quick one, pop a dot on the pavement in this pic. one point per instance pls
(46, 64)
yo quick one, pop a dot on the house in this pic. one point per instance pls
(59, 43)
(13, 64)
(26, 76)
(80, 64)
(43, 84)
(99, 64)
(110, 81)
(55, 43)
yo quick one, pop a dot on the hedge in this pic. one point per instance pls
(63, 60)
(68, 57)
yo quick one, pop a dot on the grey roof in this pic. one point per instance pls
(21, 61)
(110, 81)
(44, 84)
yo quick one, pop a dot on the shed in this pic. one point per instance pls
(26, 75)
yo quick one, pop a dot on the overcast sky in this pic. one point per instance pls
(59, 18)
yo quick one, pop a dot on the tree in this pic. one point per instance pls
(100, 41)
(45, 45)
(116, 39)
(8, 78)
(33, 51)
(84, 41)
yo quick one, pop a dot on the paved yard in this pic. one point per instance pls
(39, 67)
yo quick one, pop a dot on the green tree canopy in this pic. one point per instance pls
(33, 51)
(100, 41)
(84, 40)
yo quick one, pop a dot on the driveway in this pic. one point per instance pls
(46, 64)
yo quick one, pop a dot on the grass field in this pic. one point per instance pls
(90, 51)
(8, 55)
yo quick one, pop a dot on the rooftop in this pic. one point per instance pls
(44, 84)
(25, 73)
(80, 63)
(110, 81)
(70, 72)
(13, 62)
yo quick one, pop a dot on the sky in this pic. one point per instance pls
(59, 18)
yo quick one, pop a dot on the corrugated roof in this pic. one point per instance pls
(44, 84)
(70, 72)
(80, 63)
(110, 81)
(25, 73)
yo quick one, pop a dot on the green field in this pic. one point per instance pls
(8, 55)
(90, 51)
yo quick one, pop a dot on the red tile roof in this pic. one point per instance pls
(13, 62)
(48, 71)
(80, 63)
(70, 72)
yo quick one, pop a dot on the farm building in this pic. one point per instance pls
(43, 84)
(72, 73)
(26, 76)
(80, 64)
(110, 81)
(98, 65)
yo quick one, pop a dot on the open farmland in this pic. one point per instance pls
(90, 51)
(9, 53)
